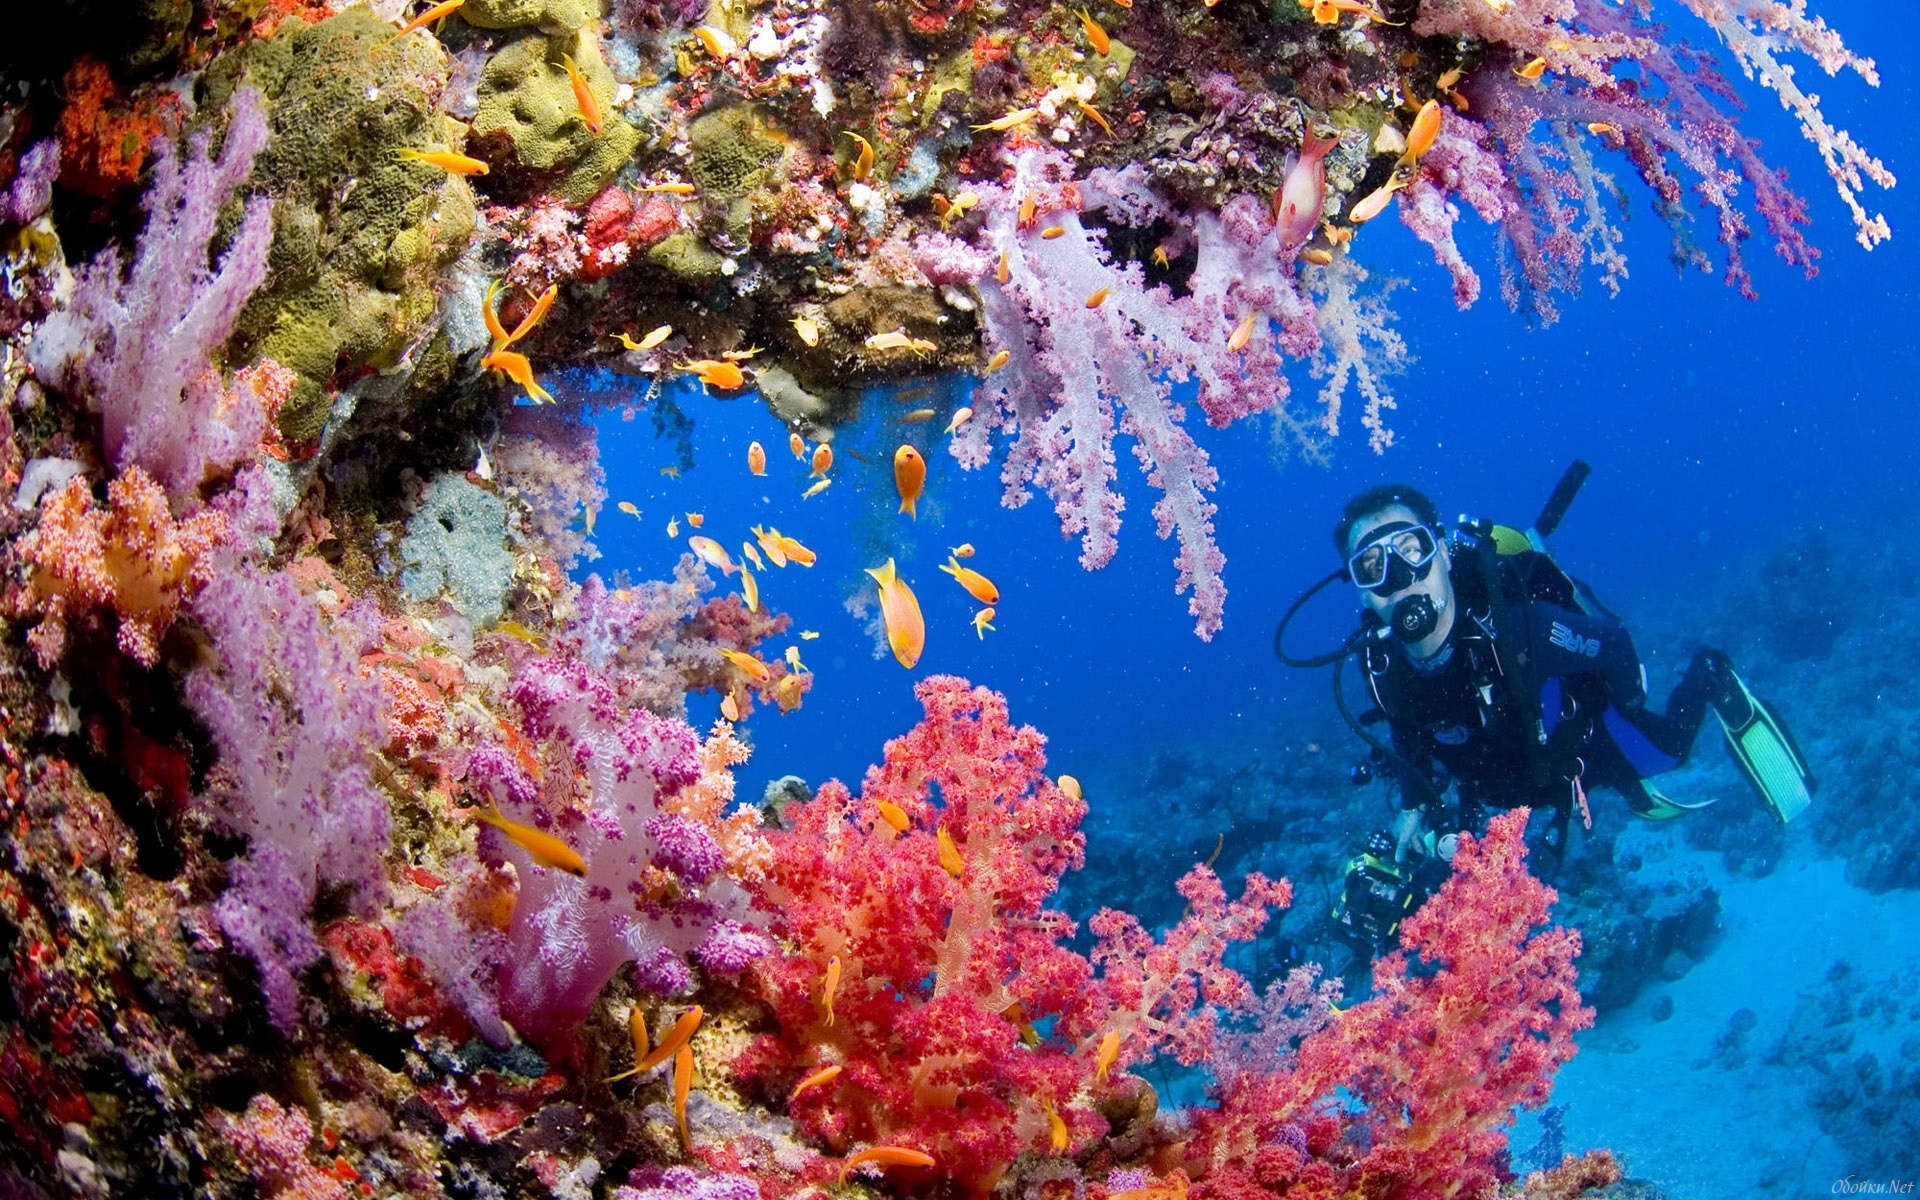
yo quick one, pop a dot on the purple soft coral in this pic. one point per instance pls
(140, 344)
(292, 720)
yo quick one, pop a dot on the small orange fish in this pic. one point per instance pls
(749, 590)
(816, 489)
(886, 1156)
(653, 338)
(960, 417)
(769, 540)
(669, 189)
(1002, 273)
(444, 9)
(716, 42)
(787, 693)
(682, 1084)
(863, 163)
(963, 550)
(1097, 119)
(514, 366)
(824, 1075)
(1052, 231)
(755, 670)
(673, 524)
(808, 635)
(918, 416)
(546, 849)
(583, 96)
(712, 553)
(910, 477)
(1319, 256)
(717, 373)
(808, 330)
(446, 160)
(730, 707)
(828, 987)
(822, 459)
(1019, 116)
(757, 458)
(1426, 127)
(1108, 1054)
(982, 621)
(1372, 205)
(794, 550)
(906, 628)
(696, 520)
(1057, 1135)
(797, 444)
(950, 860)
(628, 507)
(746, 549)
(1160, 258)
(1000, 359)
(1096, 36)
(678, 1036)
(1603, 127)
(893, 815)
(1533, 70)
(978, 586)
(1242, 334)
(637, 1024)
(1098, 298)
(1071, 787)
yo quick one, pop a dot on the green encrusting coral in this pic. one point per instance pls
(548, 14)
(530, 119)
(360, 236)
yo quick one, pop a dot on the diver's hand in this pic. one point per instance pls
(1407, 832)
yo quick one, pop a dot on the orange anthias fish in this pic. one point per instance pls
(950, 860)
(886, 1156)
(906, 628)
(444, 9)
(797, 444)
(712, 553)
(547, 850)
(822, 459)
(829, 986)
(682, 1084)
(446, 160)
(757, 458)
(1108, 1053)
(893, 815)
(755, 670)
(637, 1023)
(910, 476)
(583, 95)
(978, 586)
(514, 366)
(824, 1075)
(982, 621)
(717, 373)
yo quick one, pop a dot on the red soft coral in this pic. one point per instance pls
(1441, 1054)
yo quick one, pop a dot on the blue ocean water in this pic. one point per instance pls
(1724, 433)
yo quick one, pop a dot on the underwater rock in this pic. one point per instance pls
(360, 237)
(456, 546)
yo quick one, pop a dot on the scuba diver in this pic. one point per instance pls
(1501, 676)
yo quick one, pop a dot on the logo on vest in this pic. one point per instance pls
(1452, 735)
(1572, 642)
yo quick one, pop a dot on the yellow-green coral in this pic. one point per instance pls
(360, 237)
(730, 153)
(548, 14)
(688, 256)
(529, 117)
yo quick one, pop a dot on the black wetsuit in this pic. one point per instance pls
(1472, 708)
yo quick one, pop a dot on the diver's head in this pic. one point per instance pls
(1391, 539)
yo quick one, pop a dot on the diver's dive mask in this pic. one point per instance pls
(1396, 557)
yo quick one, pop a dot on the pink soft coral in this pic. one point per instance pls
(1438, 1058)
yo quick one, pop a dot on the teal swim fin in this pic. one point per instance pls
(1764, 751)
(1654, 805)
